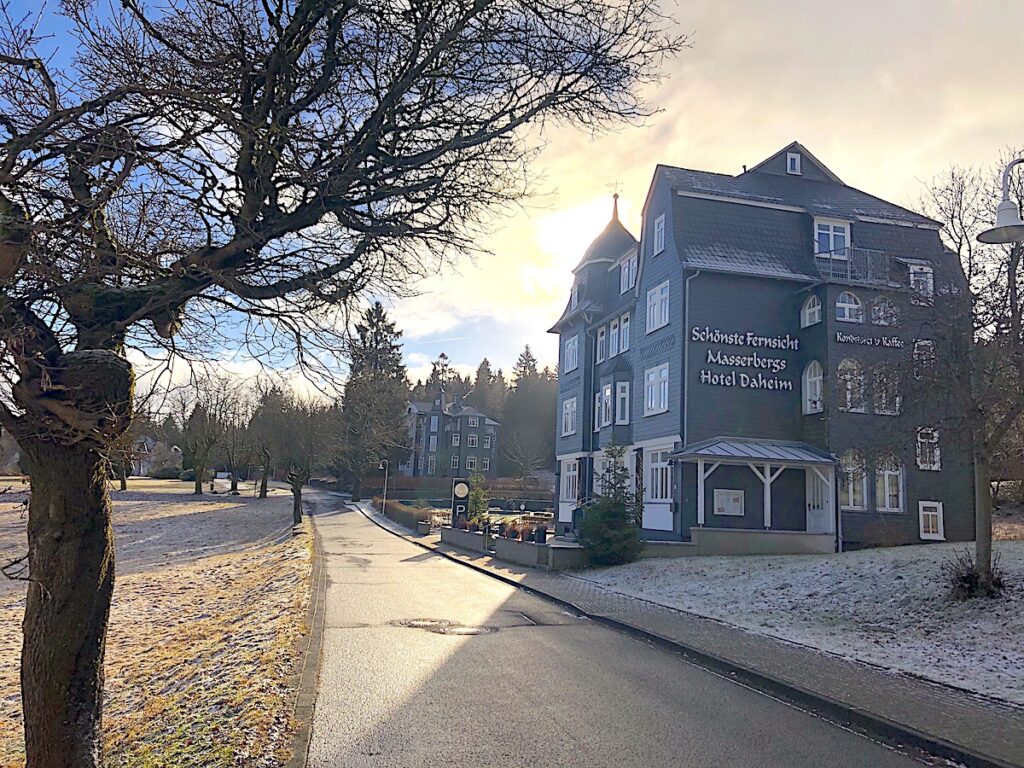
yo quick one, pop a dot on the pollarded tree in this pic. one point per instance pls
(234, 169)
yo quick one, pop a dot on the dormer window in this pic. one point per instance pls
(659, 234)
(793, 163)
(922, 280)
(831, 237)
(627, 273)
(574, 297)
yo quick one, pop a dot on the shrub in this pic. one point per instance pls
(461, 523)
(609, 532)
(512, 531)
(527, 533)
(188, 474)
(963, 581)
(165, 473)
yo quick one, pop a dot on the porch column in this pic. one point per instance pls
(767, 478)
(700, 491)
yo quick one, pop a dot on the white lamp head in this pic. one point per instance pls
(1008, 229)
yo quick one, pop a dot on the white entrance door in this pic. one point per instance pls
(818, 508)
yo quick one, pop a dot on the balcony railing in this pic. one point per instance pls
(854, 265)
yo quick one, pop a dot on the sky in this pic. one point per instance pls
(886, 94)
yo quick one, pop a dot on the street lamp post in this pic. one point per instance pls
(1009, 228)
(384, 465)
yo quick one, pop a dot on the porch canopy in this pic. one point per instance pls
(767, 459)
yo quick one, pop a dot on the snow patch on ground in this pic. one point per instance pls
(888, 607)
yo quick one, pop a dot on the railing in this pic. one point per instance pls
(854, 265)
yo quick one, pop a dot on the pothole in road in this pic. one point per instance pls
(442, 627)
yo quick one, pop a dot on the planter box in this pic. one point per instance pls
(654, 549)
(423, 527)
(470, 540)
(563, 557)
(522, 552)
(737, 541)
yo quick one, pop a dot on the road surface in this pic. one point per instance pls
(429, 663)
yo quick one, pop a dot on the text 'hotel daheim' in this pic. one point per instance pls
(746, 353)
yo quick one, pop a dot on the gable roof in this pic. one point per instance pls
(796, 146)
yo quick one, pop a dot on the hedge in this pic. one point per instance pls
(403, 514)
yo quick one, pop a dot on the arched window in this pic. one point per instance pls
(888, 485)
(811, 311)
(813, 387)
(853, 481)
(849, 309)
(884, 312)
(850, 389)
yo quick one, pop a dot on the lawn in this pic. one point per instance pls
(888, 607)
(208, 605)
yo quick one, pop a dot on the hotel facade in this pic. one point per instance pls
(747, 352)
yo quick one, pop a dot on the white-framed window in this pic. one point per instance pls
(455, 461)
(487, 441)
(568, 416)
(850, 386)
(924, 356)
(728, 502)
(472, 440)
(471, 462)
(574, 297)
(624, 333)
(657, 307)
(433, 423)
(810, 313)
(431, 465)
(888, 485)
(571, 354)
(659, 234)
(793, 163)
(456, 438)
(622, 402)
(929, 454)
(932, 526)
(627, 273)
(887, 391)
(570, 485)
(814, 388)
(485, 464)
(432, 443)
(600, 344)
(613, 338)
(853, 481)
(922, 280)
(607, 405)
(656, 390)
(474, 421)
(597, 411)
(884, 312)
(849, 308)
(832, 238)
(659, 476)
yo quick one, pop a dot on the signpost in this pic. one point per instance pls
(460, 497)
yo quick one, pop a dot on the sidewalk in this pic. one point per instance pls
(895, 706)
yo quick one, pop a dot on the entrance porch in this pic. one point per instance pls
(750, 496)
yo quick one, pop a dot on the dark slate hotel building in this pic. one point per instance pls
(744, 352)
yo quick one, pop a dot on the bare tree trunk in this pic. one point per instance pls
(357, 487)
(200, 473)
(983, 518)
(297, 503)
(123, 475)
(71, 562)
(234, 481)
(263, 481)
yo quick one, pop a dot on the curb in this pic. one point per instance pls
(309, 676)
(893, 734)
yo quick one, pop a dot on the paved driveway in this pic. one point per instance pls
(428, 663)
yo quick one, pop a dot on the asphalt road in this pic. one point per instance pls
(538, 687)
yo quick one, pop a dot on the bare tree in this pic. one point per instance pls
(234, 170)
(304, 446)
(525, 449)
(202, 410)
(973, 370)
(236, 445)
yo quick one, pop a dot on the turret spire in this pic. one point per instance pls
(615, 206)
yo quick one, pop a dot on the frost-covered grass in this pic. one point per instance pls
(201, 648)
(888, 607)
